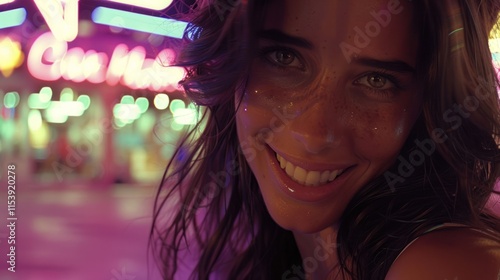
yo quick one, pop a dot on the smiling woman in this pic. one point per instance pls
(342, 140)
(349, 117)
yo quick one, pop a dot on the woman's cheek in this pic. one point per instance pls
(258, 122)
(380, 134)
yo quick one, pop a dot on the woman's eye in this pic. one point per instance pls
(375, 81)
(284, 58)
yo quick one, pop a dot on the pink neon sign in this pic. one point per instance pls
(50, 59)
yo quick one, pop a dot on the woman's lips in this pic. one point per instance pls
(307, 177)
(306, 185)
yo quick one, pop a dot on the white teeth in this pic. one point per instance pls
(300, 174)
(289, 169)
(324, 177)
(312, 178)
(308, 178)
(333, 174)
(282, 162)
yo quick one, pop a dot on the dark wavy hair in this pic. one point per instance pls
(212, 199)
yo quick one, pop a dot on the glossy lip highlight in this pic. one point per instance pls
(302, 192)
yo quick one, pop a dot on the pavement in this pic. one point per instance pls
(80, 233)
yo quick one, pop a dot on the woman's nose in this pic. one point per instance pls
(317, 128)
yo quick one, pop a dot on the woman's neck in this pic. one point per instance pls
(319, 253)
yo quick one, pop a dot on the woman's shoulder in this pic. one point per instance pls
(451, 253)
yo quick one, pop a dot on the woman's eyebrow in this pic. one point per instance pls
(391, 65)
(282, 37)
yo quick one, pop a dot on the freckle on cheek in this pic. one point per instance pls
(369, 120)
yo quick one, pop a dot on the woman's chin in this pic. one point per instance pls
(304, 221)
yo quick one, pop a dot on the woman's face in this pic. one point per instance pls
(330, 101)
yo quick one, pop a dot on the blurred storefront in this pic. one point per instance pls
(102, 107)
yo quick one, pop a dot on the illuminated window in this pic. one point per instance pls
(150, 4)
